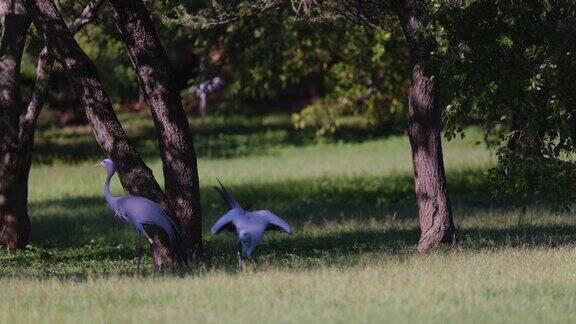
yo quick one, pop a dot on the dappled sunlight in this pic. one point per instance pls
(337, 220)
(352, 204)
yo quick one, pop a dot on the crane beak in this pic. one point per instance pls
(243, 248)
(98, 164)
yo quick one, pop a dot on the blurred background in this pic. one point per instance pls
(325, 76)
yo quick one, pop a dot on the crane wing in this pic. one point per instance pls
(275, 223)
(143, 211)
(227, 221)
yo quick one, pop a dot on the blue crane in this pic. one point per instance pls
(248, 226)
(140, 211)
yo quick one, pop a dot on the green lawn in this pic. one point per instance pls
(352, 257)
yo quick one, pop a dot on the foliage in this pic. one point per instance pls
(370, 79)
(508, 65)
(268, 56)
(273, 54)
(100, 43)
(534, 176)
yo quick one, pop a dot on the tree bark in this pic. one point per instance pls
(135, 176)
(15, 224)
(424, 119)
(156, 79)
(14, 221)
(28, 118)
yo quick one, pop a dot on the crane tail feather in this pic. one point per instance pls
(228, 198)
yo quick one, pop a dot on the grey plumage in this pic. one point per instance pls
(248, 226)
(140, 211)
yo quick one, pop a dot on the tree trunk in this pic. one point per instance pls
(424, 119)
(29, 117)
(156, 78)
(14, 221)
(135, 176)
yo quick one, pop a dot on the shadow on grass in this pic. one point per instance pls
(538, 236)
(356, 246)
(66, 222)
(224, 138)
(303, 251)
(354, 242)
(334, 211)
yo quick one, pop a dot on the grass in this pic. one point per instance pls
(512, 285)
(352, 258)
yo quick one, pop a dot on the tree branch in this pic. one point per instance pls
(199, 21)
(87, 16)
(45, 62)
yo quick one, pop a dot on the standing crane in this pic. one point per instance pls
(140, 211)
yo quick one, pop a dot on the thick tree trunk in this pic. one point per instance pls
(29, 117)
(135, 176)
(14, 221)
(156, 78)
(424, 116)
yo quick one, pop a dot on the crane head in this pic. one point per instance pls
(106, 163)
(245, 244)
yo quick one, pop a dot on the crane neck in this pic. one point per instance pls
(109, 198)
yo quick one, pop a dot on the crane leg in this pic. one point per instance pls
(148, 238)
(152, 248)
(240, 262)
(138, 253)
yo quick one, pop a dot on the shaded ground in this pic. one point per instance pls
(215, 137)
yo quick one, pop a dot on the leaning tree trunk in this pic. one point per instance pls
(424, 116)
(22, 160)
(156, 78)
(135, 176)
(14, 221)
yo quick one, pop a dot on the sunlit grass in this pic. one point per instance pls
(508, 285)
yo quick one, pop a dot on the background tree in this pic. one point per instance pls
(270, 62)
(424, 115)
(511, 71)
